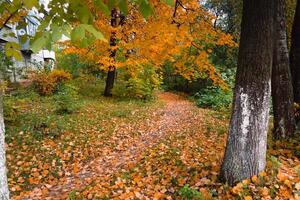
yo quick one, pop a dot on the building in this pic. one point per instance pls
(30, 60)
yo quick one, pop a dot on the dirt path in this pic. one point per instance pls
(128, 150)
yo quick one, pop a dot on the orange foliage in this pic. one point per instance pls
(163, 36)
(46, 83)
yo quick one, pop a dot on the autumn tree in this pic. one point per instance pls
(182, 36)
(115, 22)
(282, 90)
(245, 153)
(295, 54)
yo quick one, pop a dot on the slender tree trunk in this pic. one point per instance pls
(110, 79)
(282, 89)
(295, 55)
(4, 192)
(245, 153)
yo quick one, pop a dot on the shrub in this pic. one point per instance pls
(141, 83)
(46, 83)
(189, 193)
(59, 76)
(213, 97)
(11, 111)
(65, 99)
(43, 84)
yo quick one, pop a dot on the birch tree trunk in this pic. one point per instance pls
(282, 89)
(4, 192)
(245, 153)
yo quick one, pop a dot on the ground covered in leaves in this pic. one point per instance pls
(113, 149)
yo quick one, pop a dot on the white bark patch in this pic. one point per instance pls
(264, 132)
(246, 112)
(4, 192)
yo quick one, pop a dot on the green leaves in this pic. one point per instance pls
(97, 34)
(169, 2)
(84, 14)
(111, 4)
(12, 49)
(102, 6)
(56, 33)
(79, 33)
(145, 8)
(40, 42)
(123, 6)
(31, 3)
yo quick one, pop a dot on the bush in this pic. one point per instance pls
(65, 99)
(60, 76)
(189, 193)
(47, 83)
(141, 83)
(213, 97)
(11, 111)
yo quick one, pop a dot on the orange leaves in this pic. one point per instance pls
(151, 153)
(238, 188)
(255, 179)
(264, 191)
(46, 83)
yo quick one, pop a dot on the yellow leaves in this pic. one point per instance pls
(20, 180)
(137, 181)
(281, 176)
(32, 180)
(262, 174)
(255, 180)
(246, 182)
(247, 198)
(75, 168)
(158, 196)
(264, 191)
(297, 186)
(238, 188)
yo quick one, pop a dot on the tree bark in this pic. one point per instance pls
(245, 153)
(111, 74)
(295, 54)
(282, 89)
(4, 192)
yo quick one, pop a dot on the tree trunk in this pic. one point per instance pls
(282, 89)
(110, 79)
(4, 192)
(295, 54)
(245, 153)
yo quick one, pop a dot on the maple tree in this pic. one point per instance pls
(183, 36)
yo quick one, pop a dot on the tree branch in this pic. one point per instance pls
(9, 18)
